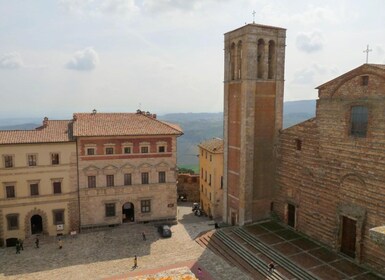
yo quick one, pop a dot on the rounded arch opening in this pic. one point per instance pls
(271, 60)
(128, 212)
(260, 58)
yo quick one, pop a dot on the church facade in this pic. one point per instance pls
(323, 177)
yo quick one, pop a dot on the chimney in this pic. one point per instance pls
(45, 122)
(154, 116)
(138, 111)
(93, 111)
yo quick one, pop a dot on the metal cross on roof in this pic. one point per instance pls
(367, 53)
(253, 16)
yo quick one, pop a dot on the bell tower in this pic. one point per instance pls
(253, 105)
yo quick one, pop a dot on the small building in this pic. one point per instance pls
(211, 177)
(188, 187)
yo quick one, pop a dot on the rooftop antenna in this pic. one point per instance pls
(253, 16)
(367, 53)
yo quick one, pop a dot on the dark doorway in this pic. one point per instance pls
(10, 242)
(128, 212)
(36, 224)
(291, 215)
(348, 237)
(233, 218)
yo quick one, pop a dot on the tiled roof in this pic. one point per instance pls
(214, 145)
(54, 131)
(119, 124)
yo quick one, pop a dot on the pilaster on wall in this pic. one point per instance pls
(2, 241)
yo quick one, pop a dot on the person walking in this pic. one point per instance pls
(37, 242)
(21, 244)
(60, 243)
(271, 267)
(135, 262)
(17, 247)
(144, 236)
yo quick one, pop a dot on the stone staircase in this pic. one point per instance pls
(223, 243)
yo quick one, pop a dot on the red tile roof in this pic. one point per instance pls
(214, 145)
(119, 124)
(54, 131)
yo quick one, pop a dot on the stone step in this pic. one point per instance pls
(249, 257)
(275, 256)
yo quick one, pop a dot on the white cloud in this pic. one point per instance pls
(84, 60)
(98, 7)
(314, 15)
(310, 42)
(11, 60)
(308, 75)
(118, 7)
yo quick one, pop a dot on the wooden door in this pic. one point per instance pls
(291, 215)
(348, 238)
(233, 218)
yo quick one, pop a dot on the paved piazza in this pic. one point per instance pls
(109, 253)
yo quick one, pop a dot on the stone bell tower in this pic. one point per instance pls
(253, 104)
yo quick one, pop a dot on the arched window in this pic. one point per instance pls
(239, 60)
(260, 57)
(232, 62)
(359, 121)
(271, 61)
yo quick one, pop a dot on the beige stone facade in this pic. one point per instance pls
(253, 101)
(211, 177)
(115, 168)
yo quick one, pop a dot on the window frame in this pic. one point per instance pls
(359, 121)
(128, 151)
(55, 158)
(34, 188)
(110, 210)
(145, 206)
(127, 179)
(12, 224)
(145, 178)
(144, 149)
(8, 161)
(110, 180)
(90, 151)
(91, 181)
(56, 221)
(10, 189)
(32, 159)
(57, 187)
(162, 177)
(109, 150)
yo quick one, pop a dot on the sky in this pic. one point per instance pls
(58, 57)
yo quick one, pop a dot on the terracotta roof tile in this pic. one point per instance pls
(118, 124)
(214, 145)
(54, 131)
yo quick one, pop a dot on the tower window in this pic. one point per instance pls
(298, 144)
(359, 121)
(365, 80)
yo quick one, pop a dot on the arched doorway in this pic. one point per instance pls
(36, 224)
(128, 212)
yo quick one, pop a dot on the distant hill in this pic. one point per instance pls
(197, 127)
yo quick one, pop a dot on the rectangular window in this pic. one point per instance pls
(34, 188)
(127, 150)
(54, 159)
(32, 160)
(359, 121)
(92, 181)
(161, 149)
(8, 161)
(210, 180)
(202, 173)
(145, 178)
(58, 217)
(221, 182)
(298, 144)
(110, 180)
(144, 150)
(127, 179)
(110, 209)
(211, 157)
(56, 187)
(365, 80)
(90, 151)
(162, 177)
(145, 206)
(13, 221)
(10, 191)
(109, 151)
(205, 176)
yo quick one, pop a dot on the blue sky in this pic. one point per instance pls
(164, 56)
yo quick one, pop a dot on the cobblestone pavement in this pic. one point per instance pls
(109, 253)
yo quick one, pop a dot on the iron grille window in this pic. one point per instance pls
(90, 151)
(145, 178)
(10, 190)
(145, 206)
(110, 209)
(109, 151)
(144, 150)
(127, 150)
(359, 121)
(127, 179)
(161, 149)
(162, 177)
(34, 189)
(110, 180)
(92, 181)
